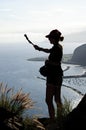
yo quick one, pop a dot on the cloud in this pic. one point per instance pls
(77, 37)
(5, 10)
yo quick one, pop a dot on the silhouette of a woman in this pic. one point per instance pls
(55, 76)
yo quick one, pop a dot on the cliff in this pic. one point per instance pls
(78, 56)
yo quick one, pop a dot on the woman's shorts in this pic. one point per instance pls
(55, 80)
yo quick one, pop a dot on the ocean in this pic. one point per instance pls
(18, 72)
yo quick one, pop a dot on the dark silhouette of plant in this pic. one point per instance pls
(12, 106)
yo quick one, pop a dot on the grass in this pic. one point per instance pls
(12, 107)
(63, 112)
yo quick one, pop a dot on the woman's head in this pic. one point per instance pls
(55, 35)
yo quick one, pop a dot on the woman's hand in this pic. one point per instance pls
(46, 62)
(37, 47)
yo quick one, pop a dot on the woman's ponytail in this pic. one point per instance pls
(61, 38)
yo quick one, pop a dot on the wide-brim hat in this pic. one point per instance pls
(53, 34)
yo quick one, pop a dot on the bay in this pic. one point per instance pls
(17, 72)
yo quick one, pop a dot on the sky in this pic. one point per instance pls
(37, 18)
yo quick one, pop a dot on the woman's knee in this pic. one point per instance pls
(48, 101)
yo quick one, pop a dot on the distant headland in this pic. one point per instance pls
(78, 57)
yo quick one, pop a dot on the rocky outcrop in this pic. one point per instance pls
(76, 120)
(79, 55)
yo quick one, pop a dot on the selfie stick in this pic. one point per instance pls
(28, 39)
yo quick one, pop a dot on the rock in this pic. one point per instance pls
(79, 55)
(76, 120)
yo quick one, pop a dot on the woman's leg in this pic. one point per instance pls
(58, 96)
(49, 100)
(58, 92)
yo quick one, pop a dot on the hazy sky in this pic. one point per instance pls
(39, 17)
